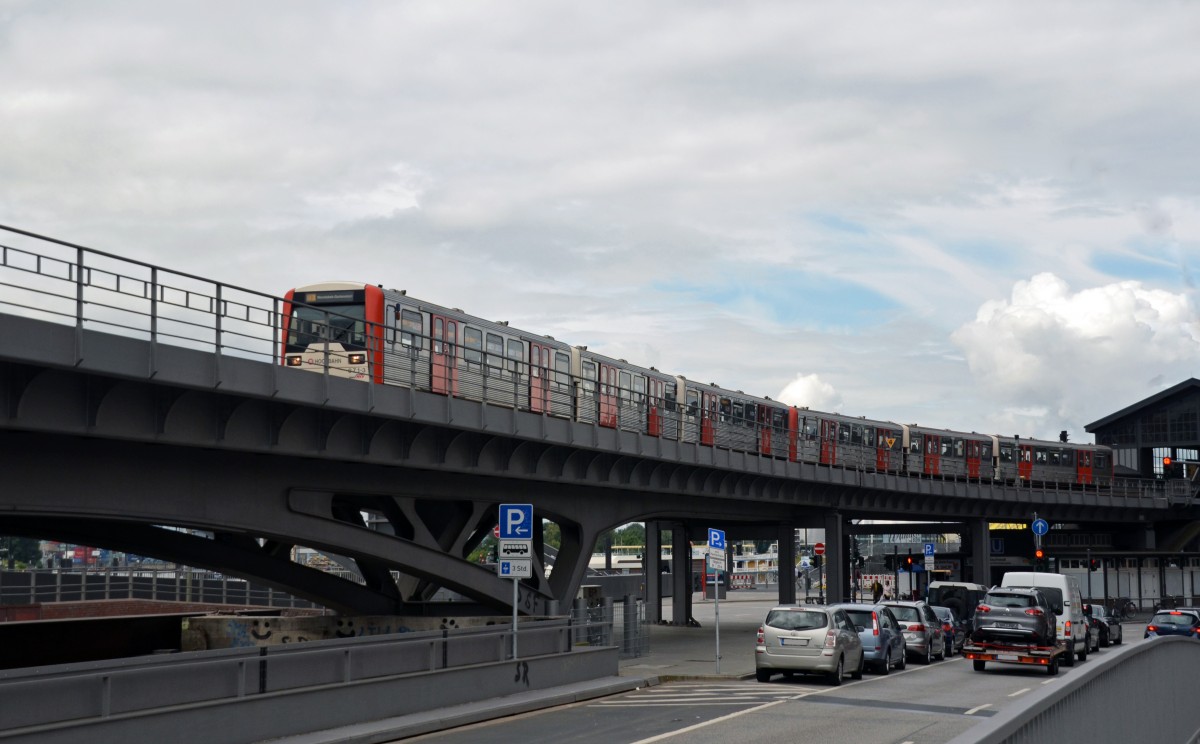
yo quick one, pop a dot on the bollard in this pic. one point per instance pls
(579, 620)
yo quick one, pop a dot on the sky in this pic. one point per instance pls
(976, 216)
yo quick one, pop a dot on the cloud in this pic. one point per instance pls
(809, 391)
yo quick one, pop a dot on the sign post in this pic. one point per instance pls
(515, 552)
(819, 549)
(716, 560)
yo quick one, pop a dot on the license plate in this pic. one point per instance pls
(793, 641)
(1006, 657)
(1007, 625)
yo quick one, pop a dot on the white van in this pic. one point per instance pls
(1065, 597)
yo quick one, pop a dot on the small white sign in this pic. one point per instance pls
(516, 549)
(716, 559)
(516, 569)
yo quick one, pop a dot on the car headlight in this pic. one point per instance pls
(358, 358)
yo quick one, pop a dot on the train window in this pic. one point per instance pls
(868, 435)
(495, 351)
(914, 444)
(1054, 458)
(960, 448)
(626, 386)
(516, 355)
(437, 336)
(1101, 461)
(985, 450)
(738, 414)
(1068, 458)
(856, 434)
(693, 403)
(752, 415)
(473, 343)
(639, 389)
(844, 434)
(589, 377)
(1085, 459)
(1006, 453)
(778, 419)
(1040, 456)
(410, 328)
(535, 363)
(562, 369)
(726, 409)
(669, 396)
(810, 429)
(947, 447)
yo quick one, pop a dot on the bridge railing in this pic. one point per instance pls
(96, 690)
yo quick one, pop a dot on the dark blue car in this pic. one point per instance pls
(1174, 622)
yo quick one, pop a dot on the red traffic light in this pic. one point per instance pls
(1039, 554)
(1166, 462)
(908, 560)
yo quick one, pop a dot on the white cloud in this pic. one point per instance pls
(810, 391)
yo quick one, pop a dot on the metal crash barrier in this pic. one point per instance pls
(1079, 708)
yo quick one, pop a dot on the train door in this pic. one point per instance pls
(654, 399)
(974, 458)
(1025, 462)
(1083, 467)
(829, 434)
(539, 381)
(933, 454)
(885, 442)
(765, 421)
(708, 417)
(443, 356)
(609, 393)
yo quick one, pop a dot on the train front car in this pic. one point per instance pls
(334, 326)
(1044, 462)
(950, 454)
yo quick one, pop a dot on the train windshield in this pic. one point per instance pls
(339, 324)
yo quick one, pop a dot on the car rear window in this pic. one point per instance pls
(906, 613)
(1167, 618)
(1008, 600)
(860, 617)
(796, 619)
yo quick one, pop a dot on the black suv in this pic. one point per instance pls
(1014, 616)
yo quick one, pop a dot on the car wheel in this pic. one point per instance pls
(1069, 656)
(862, 662)
(762, 675)
(903, 663)
(1084, 652)
(942, 654)
(1105, 640)
(885, 667)
(835, 679)
(1116, 641)
(928, 658)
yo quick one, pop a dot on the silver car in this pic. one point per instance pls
(810, 638)
(922, 630)
(879, 631)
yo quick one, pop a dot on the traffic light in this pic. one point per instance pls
(908, 562)
(1039, 560)
(1094, 564)
(816, 561)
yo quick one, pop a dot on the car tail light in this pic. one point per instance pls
(1151, 628)
(983, 608)
(874, 623)
(1035, 611)
(831, 638)
(1067, 628)
(917, 628)
(761, 636)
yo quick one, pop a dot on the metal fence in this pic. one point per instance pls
(605, 622)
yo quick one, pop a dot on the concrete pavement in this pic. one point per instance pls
(673, 653)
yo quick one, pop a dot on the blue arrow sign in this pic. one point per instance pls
(516, 521)
(1040, 527)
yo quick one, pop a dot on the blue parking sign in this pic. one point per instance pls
(716, 539)
(516, 521)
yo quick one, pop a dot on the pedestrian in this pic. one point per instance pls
(876, 590)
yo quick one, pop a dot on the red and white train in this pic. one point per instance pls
(386, 337)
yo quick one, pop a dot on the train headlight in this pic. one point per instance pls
(358, 358)
(294, 361)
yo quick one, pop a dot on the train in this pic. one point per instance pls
(386, 337)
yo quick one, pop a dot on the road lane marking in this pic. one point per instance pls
(977, 708)
(697, 726)
(1020, 692)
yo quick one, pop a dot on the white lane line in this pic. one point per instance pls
(721, 719)
(978, 708)
(1020, 692)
